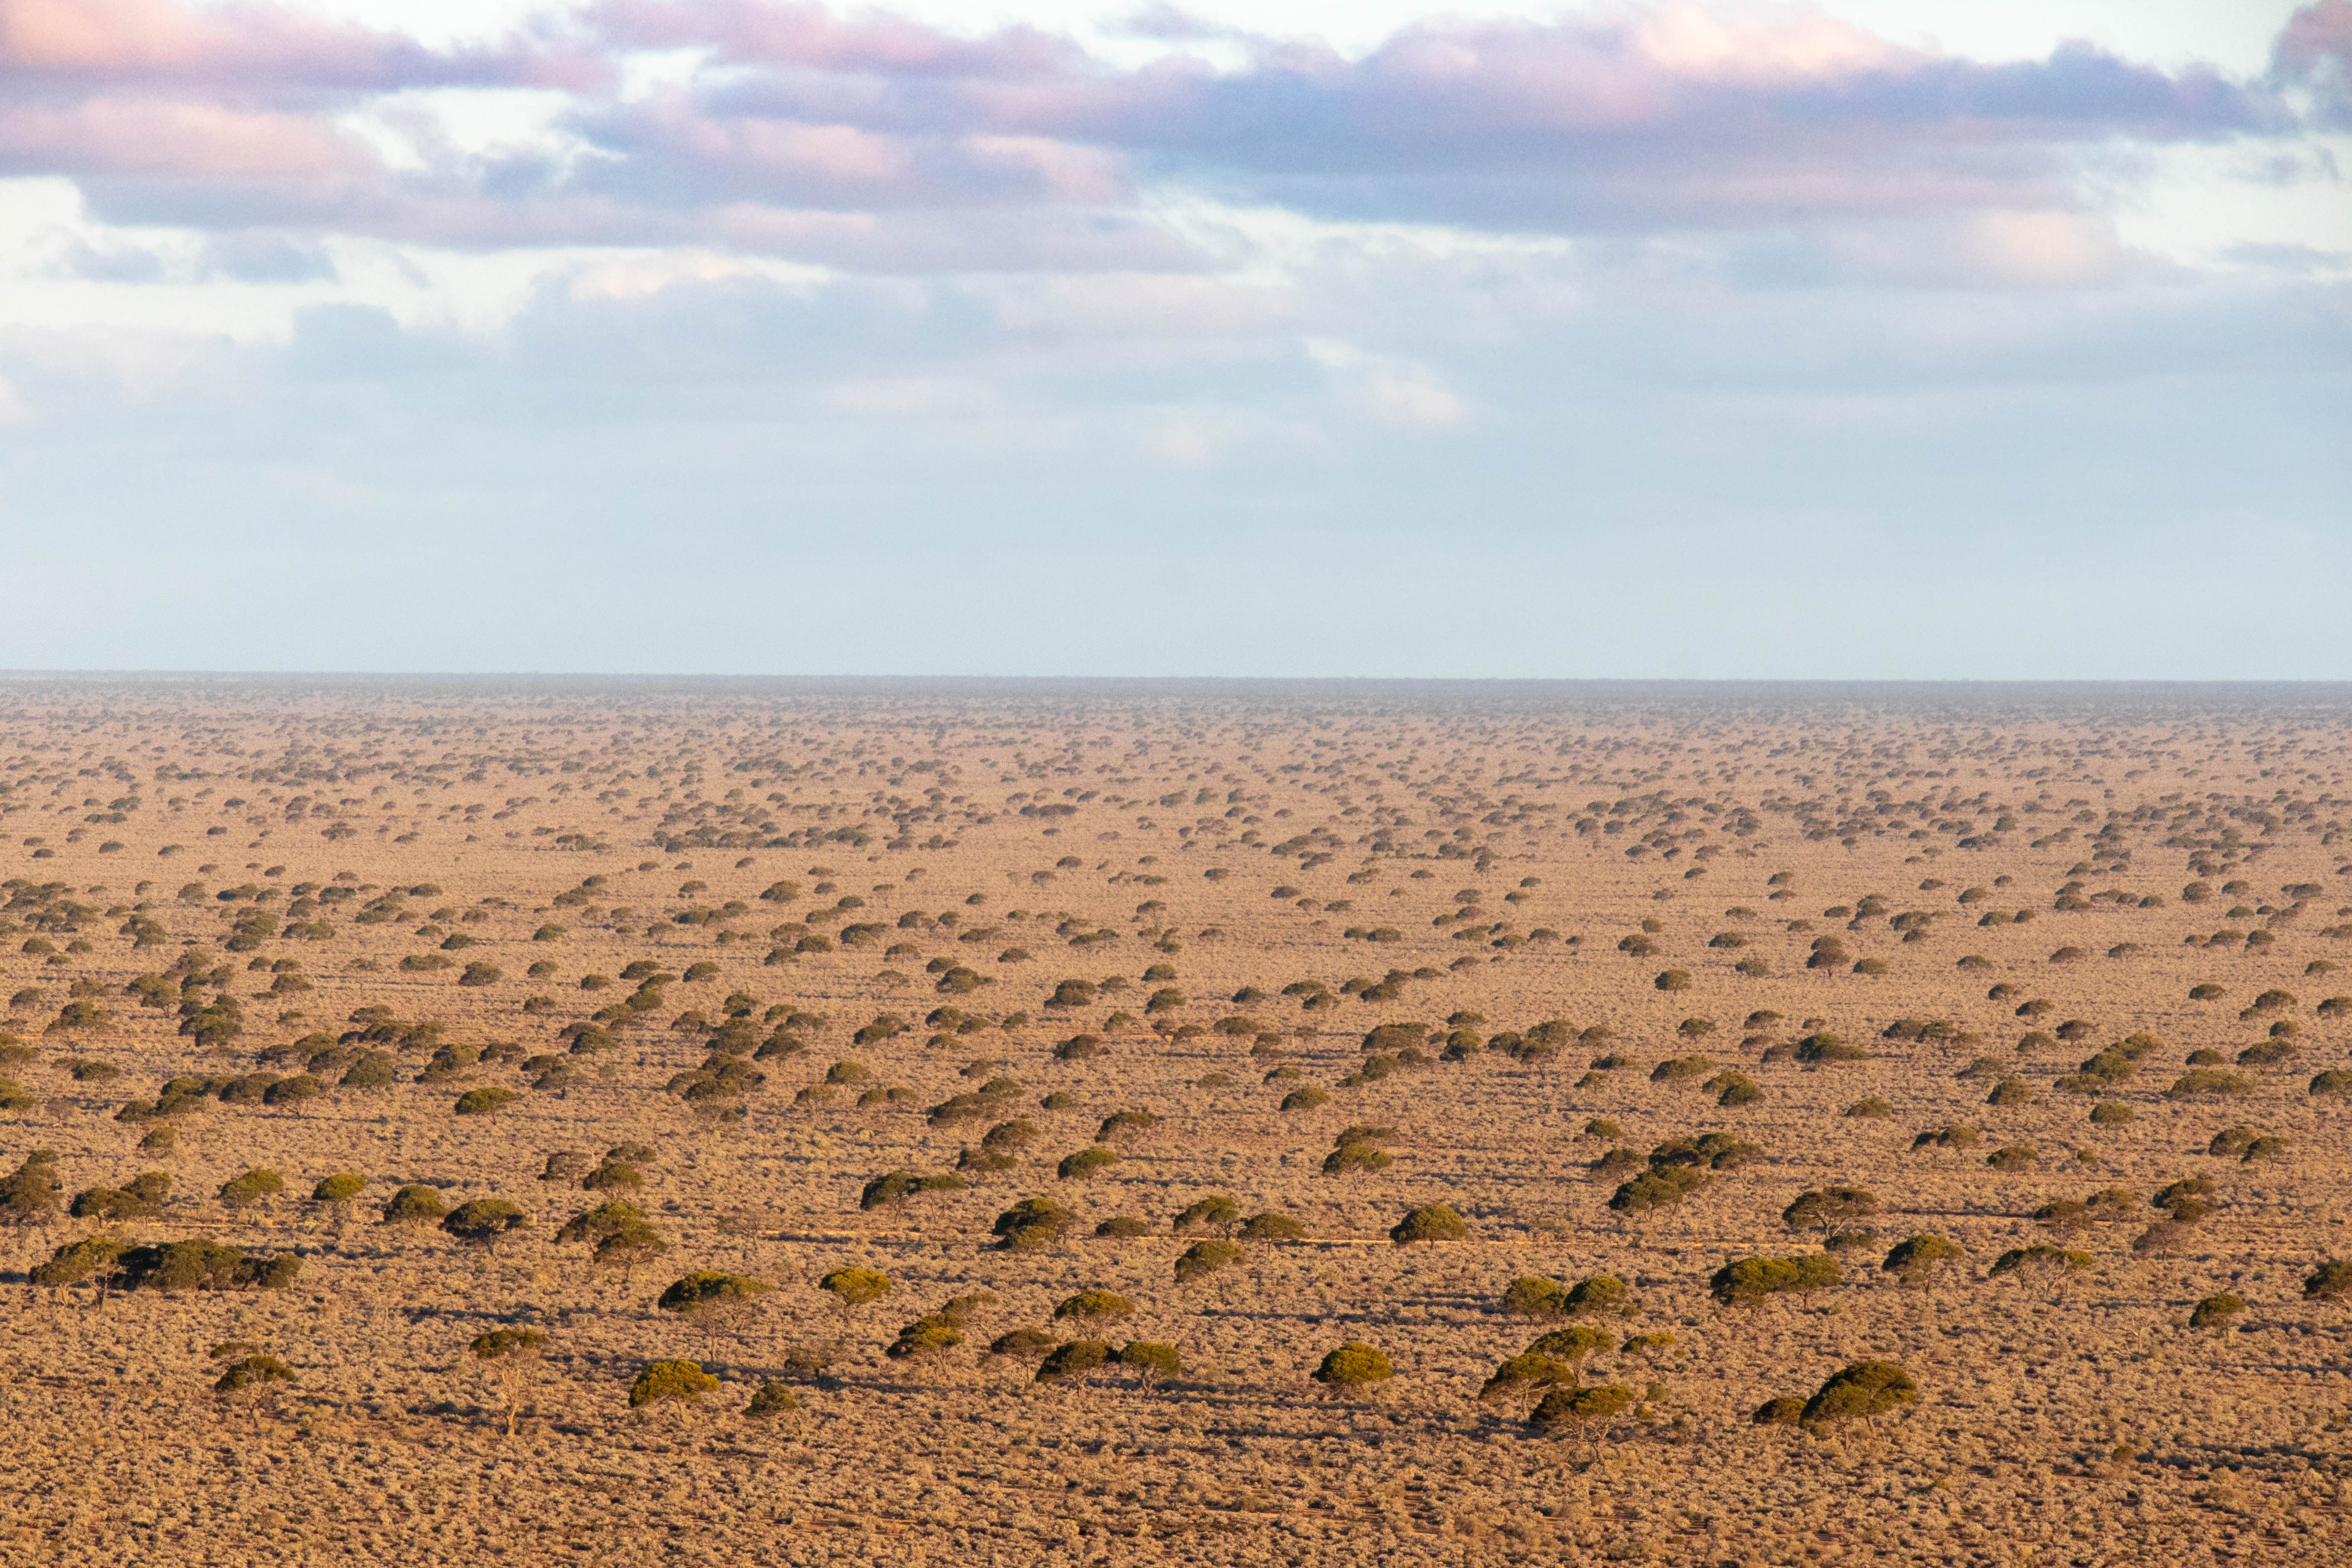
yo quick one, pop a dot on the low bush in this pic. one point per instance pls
(670, 1382)
(1866, 1389)
(1353, 1366)
(1429, 1222)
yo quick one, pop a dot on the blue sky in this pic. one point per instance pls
(1861, 339)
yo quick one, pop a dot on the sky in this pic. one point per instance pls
(1873, 339)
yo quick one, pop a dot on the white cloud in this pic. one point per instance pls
(1392, 391)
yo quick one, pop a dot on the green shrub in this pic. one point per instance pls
(612, 1176)
(91, 1257)
(671, 1382)
(2335, 1082)
(1429, 1222)
(1524, 1374)
(713, 1301)
(896, 1186)
(614, 1214)
(2230, 1143)
(1535, 1296)
(2215, 1309)
(1353, 1366)
(374, 1069)
(926, 1337)
(1829, 1208)
(771, 1400)
(199, 1265)
(142, 1199)
(1602, 1293)
(1203, 1259)
(2204, 1083)
(1709, 1152)
(1309, 1097)
(850, 1288)
(253, 1374)
(1077, 1361)
(1915, 1259)
(628, 1245)
(1272, 1227)
(1749, 1281)
(1786, 1411)
(1867, 1389)
(1579, 1410)
(510, 1354)
(1125, 1123)
(1218, 1214)
(1732, 1090)
(1356, 1159)
(1032, 1224)
(1870, 1108)
(2112, 1113)
(1023, 1344)
(1082, 1165)
(2015, 1157)
(2042, 1258)
(243, 1192)
(1092, 1305)
(2330, 1281)
(415, 1205)
(480, 1222)
(1815, 1050)
(1573, 1345)
(1153, 1364)
(1658, 1189)
(483, 1102)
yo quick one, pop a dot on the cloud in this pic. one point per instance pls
(1017, 148)
(2314, 52)
(1391, 391)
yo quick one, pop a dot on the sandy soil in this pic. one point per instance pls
(2160, 841)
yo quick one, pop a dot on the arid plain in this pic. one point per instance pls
(1655, 964)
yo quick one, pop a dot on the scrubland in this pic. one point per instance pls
(1122, 1124)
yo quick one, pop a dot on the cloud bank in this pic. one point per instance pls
(1661, 337)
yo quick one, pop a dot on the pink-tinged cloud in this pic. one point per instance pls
(2314, 52)
(262, 49)
(1669, 116)
(174, 140)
